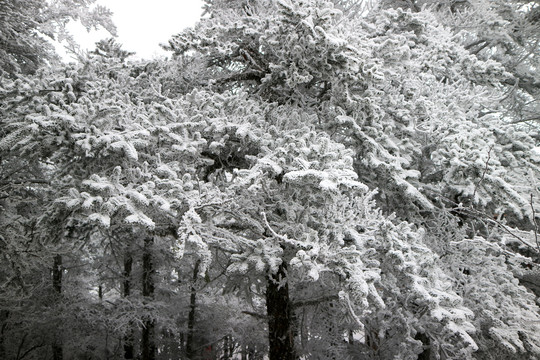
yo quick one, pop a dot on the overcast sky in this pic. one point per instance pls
(143, 24)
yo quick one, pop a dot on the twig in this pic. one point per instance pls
(275, 234)
(535, 225)
(30, 350)
(500, 224)
(21, 345)
(483, 174)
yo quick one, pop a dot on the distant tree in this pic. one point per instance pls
(29, 25)
(110, 48)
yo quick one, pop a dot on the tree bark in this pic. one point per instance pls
(191, 317)
(148, 345)
(280, 316)
(126, 291)
(57, 272)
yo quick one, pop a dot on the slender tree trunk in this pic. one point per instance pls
(182, 344)
(57, 286)
(4, 315)
(191, 317)
(148, 333)
(280, 319)
(128, 338)
(57, 274)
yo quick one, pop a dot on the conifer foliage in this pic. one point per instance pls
(303, 179)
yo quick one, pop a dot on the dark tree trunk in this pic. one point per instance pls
(128, 264)
(148, 345)
(57, 287)
(191, 317)
(182, 335)
(57, 274)
(182, 344)
(426, 354)
(57, 352)
(4, 315)
(280, 319)
(128, 338)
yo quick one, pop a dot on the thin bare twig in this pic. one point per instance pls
(535, 225)
(484, 173)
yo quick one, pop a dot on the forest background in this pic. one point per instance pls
(300, 179)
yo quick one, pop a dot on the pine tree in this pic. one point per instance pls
(303, 179)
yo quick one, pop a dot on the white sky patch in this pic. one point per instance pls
(141, 25)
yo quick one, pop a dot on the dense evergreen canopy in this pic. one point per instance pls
(302, 179)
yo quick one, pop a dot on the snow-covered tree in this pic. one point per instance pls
(303, 179)
(425, 117)
(28, 26)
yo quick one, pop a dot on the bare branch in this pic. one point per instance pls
(483, 174)
(535, 225)
(255, 315)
